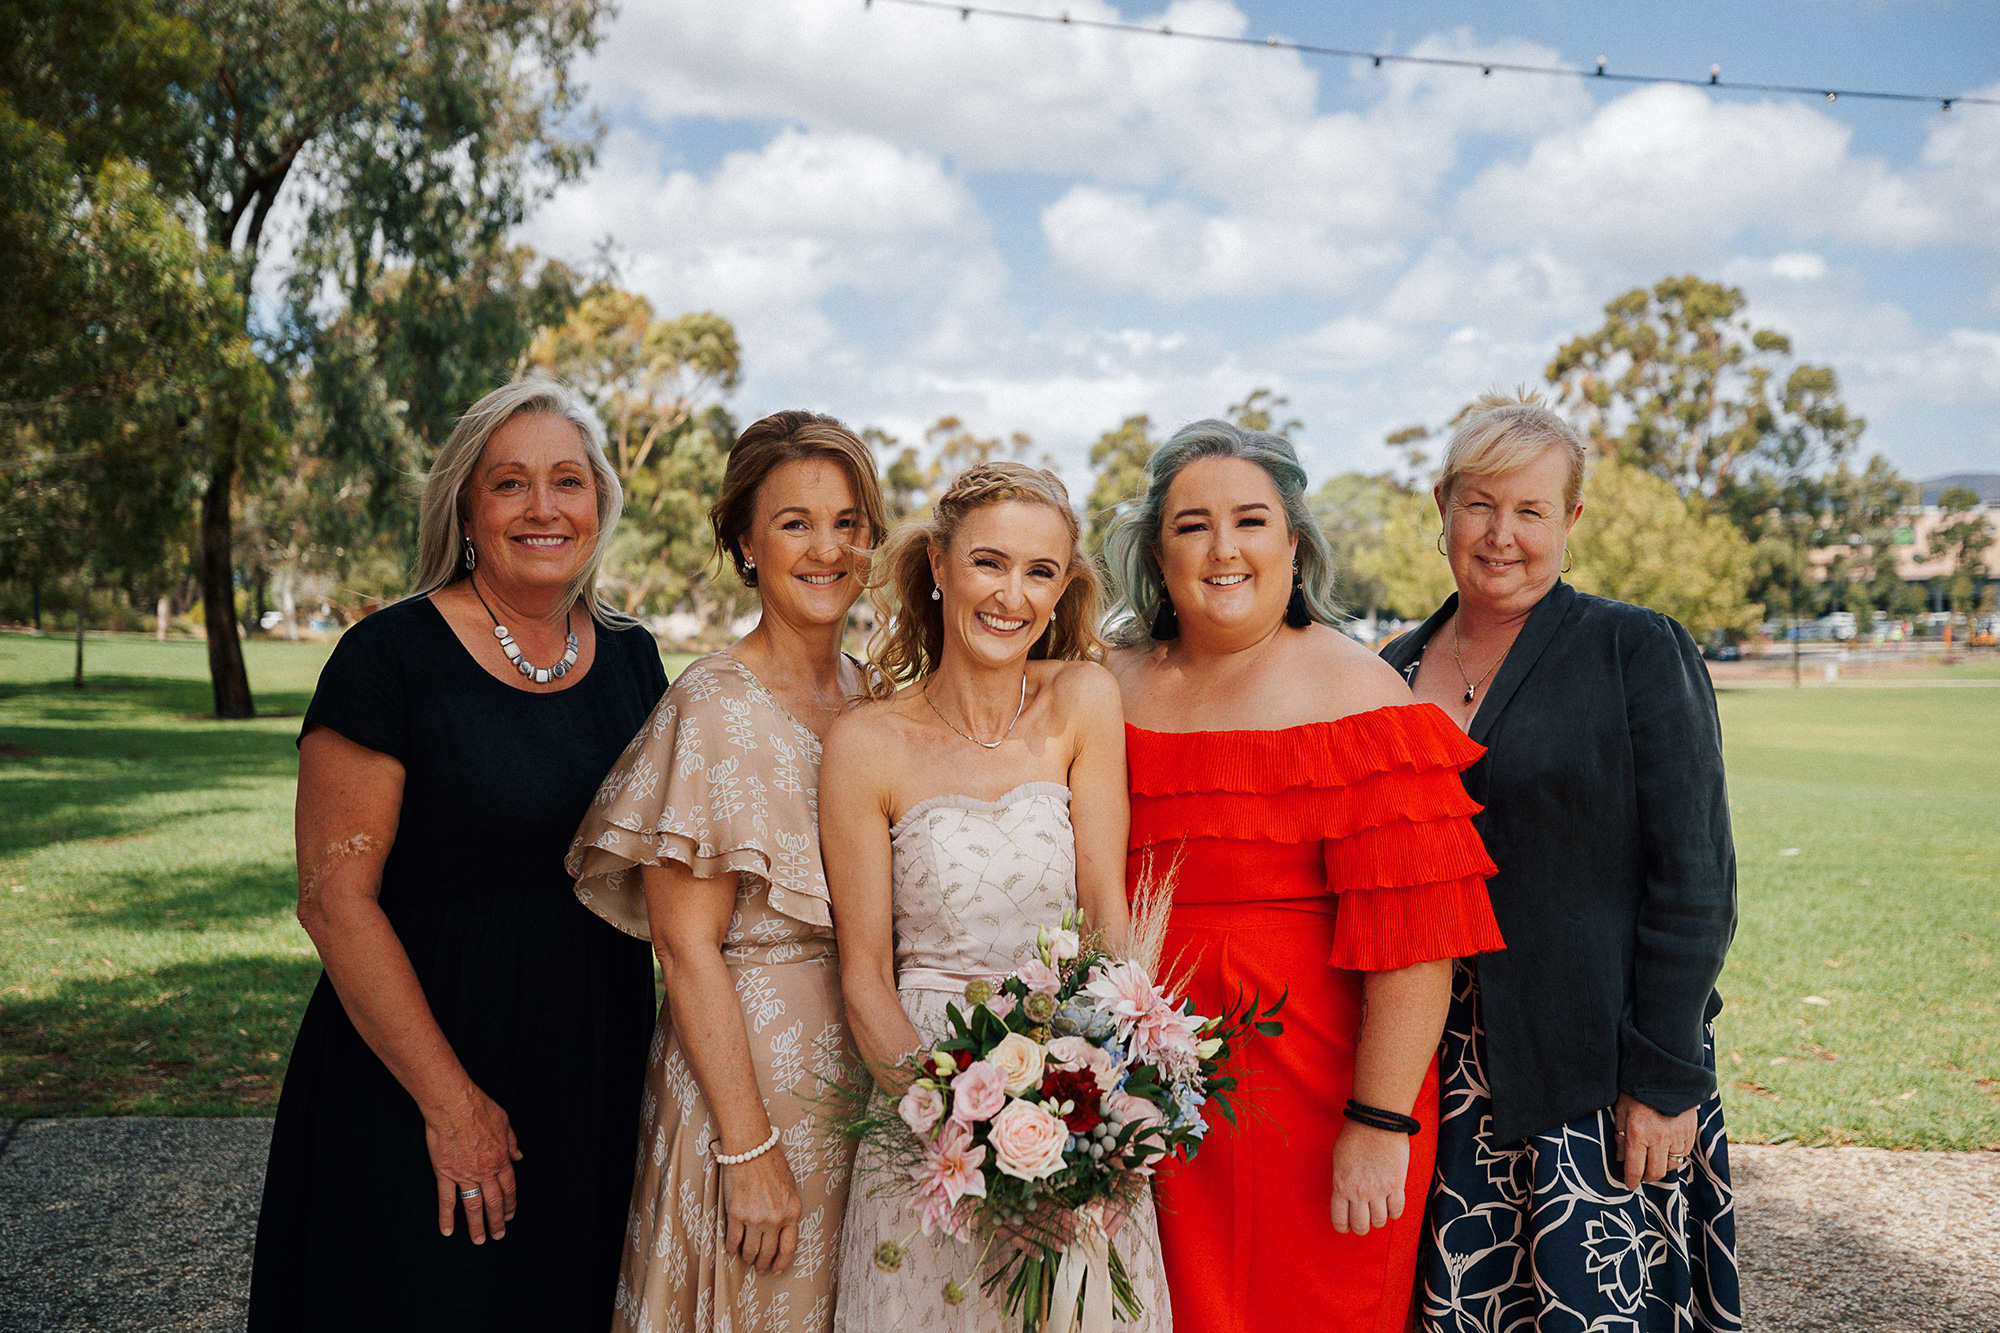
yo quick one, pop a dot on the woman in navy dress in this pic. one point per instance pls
(454, 1144)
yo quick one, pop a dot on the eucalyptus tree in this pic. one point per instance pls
(399, 133)
(119, 334)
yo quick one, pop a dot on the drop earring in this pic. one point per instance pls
(1166, 621)
(471, 556)
(1297, 614)
(936, 596)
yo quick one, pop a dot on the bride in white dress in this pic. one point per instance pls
(981, 800)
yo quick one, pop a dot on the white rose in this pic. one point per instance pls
(1064, 943)
(1020, 1061)
(1028, 1141)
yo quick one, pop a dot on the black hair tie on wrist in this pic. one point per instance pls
(1376, 1118)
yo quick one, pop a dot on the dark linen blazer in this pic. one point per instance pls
(1607, 814)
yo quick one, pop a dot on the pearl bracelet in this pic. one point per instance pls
(737, 1159)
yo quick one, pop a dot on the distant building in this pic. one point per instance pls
(1917, 560)
(1914, 558)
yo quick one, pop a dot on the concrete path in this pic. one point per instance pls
(147, 1225)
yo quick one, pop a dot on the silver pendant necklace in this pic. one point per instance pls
(984, 745)
(540, 675)
(1471, 685)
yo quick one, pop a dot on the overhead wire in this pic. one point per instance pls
(1715, 80)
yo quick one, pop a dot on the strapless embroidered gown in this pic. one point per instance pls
(972, 880)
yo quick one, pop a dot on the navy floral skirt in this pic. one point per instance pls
(1543, 1237)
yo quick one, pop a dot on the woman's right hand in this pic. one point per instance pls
(474, 1147)
(760, 1210)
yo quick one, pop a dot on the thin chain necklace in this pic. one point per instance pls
(1472, 686)
(540, 675)
(984, 745)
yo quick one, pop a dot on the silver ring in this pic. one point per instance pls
(472, 1193)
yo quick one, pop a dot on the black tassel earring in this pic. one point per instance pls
(1297, 614)
(1166, 621)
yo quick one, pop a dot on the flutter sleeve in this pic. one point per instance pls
(719, 781)
(1402, 854)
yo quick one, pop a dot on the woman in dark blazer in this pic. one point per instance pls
(1583, 1176)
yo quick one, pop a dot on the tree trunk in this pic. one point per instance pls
(218, 596)
(288, 601)
(162, 613)
(82, 614)
(35, 600)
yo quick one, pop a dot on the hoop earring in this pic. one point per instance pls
(1569, 559)
(471, 556)
(1297, 614)
(1166, 621)
(1440, 544)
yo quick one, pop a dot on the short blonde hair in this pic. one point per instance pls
(1501, 433)
(910, 644)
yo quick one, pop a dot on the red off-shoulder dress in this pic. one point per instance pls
(1307, 857)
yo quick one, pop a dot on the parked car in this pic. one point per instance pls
(1723, 652)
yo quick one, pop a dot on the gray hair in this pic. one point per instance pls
(441, 513)
(1131, 550)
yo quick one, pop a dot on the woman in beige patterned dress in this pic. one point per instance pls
(705, 839)
(982, 800)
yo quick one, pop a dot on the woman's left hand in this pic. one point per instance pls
(1369, 1167)
(1652, 1145)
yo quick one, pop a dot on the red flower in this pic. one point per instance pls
(964, 1059)
(1079, 1088)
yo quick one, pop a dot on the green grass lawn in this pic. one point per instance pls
(1865, 837)
(149, 962)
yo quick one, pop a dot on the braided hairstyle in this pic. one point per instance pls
(910, 643)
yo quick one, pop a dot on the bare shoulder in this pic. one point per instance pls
(1087, 686)
(1351, 678)
(1125, 663)
(860, 731)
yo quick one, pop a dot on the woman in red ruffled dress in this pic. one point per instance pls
(1321, 845)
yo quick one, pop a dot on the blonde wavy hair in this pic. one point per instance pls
(910, 643)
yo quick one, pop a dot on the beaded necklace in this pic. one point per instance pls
(540, 675)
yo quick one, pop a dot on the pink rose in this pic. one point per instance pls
(979, 1090)
(1079, 1053)
(1038, 975)
(1134, 1110)
(1028, 1141)
(1145, 1145)
(1001, 1005)
(920, 1108)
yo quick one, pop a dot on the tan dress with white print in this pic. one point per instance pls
(723, 779)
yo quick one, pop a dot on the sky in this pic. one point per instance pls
(1048, 229)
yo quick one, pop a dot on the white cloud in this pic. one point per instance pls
(1667, 176)
(772, 233)
(1417, 235)
(1799, 266)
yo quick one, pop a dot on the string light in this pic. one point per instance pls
(1485, 67)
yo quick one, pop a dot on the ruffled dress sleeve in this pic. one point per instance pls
(1379, 791)
(1409, 867)
(720, 780)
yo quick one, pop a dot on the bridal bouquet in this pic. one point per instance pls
(1044, 1111)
